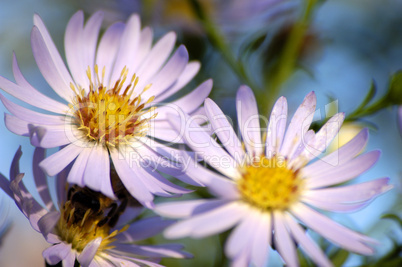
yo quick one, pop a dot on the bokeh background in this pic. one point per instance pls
(347, 45)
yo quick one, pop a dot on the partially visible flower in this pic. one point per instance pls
(264, 189)
(347, 132)
(75, 228)
(110, 114)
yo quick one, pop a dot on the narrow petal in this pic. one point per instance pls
(299, 125)
(108, 47)
(184, 209)
(56, 253)
(73, 45)
(76, 174)
(283, 242)
(262, 240)
(344, 172)
(351, 193)
(208, 149)
(316, 145)
(49, 136)
(5, 185)
(168, 75)
(128, 50)
(90, 38)
(276, 126)
(186, 104)
(47, 223)
(55, 163)
(340, 156)
(249, 120)
(224, 130)
(185, 77)
(333, 231)
(208, 223)
(144, 229)
(49, 68)
(41, 179)
(55, 55)
(31, 116)
(88, 254)
(307, 244)
(132, 183)
(156, 57)
(97, 171)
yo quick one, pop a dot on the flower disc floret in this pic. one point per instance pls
(268, 184)
(111, 116)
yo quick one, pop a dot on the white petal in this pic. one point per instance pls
(76, 174)
(283, 242)
(299, 125)
(184, 209)
(249, 120)
(276, 126)
(55, 163)
(89, 252)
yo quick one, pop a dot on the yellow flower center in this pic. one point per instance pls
(111, 116)
(78, 232)
(269, 184)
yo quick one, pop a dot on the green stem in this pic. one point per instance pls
(219, 43)
(288, 58)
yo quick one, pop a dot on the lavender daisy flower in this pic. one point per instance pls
(110, 99)
(265, 189)
(74, 227)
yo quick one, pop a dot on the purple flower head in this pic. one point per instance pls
(265, 185)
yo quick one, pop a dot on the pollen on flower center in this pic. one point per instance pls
(269, 184)
(111, 116)
(79, 227)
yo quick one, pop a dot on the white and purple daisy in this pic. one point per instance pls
(109, 114)
(83, 238)
(266, 189)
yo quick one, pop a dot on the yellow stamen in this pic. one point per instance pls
(109, 116)
(269, 184)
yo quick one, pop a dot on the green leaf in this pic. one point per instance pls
(394, 94)
(340, 257)
(393, 217)
(370, 95)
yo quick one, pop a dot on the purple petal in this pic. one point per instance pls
(208, 149)
(76, 174)
(73, 41)
(29, 115)
(340, 156)
(89, 252)
(249, 120)
(344, 172)
(49, 136)
(351, 193)
(308, 245)
(90, 38)
(185, 77)
(156, 57)
(333, 231)
(108, 47)
(224, 130)
(283, 242)
(41, 179)
(336, 207)
(144, 229)
(169, 73)
(262, 240)
(25, 92)
(208, 223)
(184, 209)
(316, 145)
(57, 253)
(186, 104)
(54, 53)
(48, 67)
(47, 223)
(97, 171)
(276, 127)
(132, 183)
(55, 163)
(299, 125)
(5, 185)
